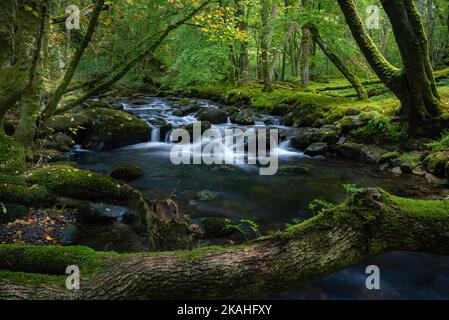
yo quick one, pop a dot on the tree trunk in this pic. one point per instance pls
(30, 101)
(414, 84)
(350, 76)
(266, 44)
(61, 90)
(244, 58)
(370, 223)
(19, 36)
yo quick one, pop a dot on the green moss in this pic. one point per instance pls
(71, 182)
(12, 156)
(197, 254)
(32, 279)
(51, 260)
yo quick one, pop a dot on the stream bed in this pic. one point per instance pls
(271, 201)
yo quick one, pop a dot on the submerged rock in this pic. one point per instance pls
(214, 116)
(206, 195)
(95, 212)
(127, 172)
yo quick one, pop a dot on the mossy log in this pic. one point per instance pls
(370, 223)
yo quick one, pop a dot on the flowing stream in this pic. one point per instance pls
(271, 201)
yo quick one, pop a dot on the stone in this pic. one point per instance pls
(127, 172)
(95, 212)
(406, 168)
(244, 117)
(436, 163)
(69, 235)
(214, 116)
(316, 149)
(356, 152)
(206, 195)
(329, 134)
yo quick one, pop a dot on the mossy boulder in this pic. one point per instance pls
(244, 117)
(358, 152)
(100, 104)
(97, 212)
(215, 227)
(71, 182)
(206, 195)
(101, 128)
(127, 172)
(349, 123)
(112, 129)
(437, 163)
(329, 134)
(214, 116)
(317, 149)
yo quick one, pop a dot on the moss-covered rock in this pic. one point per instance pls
(244, 117)
(100, 104)
(114, 129)
(127, 172)
(317, 149)
(214, 116)
(437, 163)
(75, 183)
(358, 152)
(329, 134)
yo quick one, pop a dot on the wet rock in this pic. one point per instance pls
(97, 213)
(139, 101)
(10, 212)
(357, 152)
(100, 104)
(206, 195)
(244, 117)
(127, 172)
(438, 182)
(316, 149)
(389, 157)
(396, 170)
(280, 110)
(117, 106)
(205, 125)
(214, 116)
(68, 235)
(112, 129)
(329, 134)
(289, 119)
(406, 168)
(437, 163)
(178, 113)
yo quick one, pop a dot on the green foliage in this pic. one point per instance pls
(240, 227)
(207, 64)
(440, 144)
(380, 129)
(12, 156)
(351, 189)
(318, 204)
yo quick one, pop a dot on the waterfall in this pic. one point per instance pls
(156, 134)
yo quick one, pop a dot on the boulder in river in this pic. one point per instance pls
(206, 195)
(244, 117)
(127, 172)
(95, 212)
(317, 149)
(357, 152)
(329, 134)
(214, 116)
(437, 163)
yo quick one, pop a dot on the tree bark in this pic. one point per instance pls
(414, 84)
(266, 44)
(370, 223)
(350, 76)
(68, 76)
(244, 57)
(30, 101)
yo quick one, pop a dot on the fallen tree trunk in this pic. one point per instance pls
(370, 223)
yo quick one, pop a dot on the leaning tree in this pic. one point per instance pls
(413, 83)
